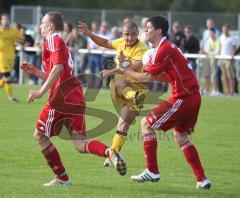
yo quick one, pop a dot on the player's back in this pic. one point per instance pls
(67, 86)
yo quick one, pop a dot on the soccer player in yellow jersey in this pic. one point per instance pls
(128, 93)
(8, 36)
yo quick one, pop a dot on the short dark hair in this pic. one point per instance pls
(130, 25)
(160, 22)
(69, 25)
(226, 25)
(189, 27)
(57, 19)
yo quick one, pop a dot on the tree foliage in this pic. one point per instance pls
(161, 5)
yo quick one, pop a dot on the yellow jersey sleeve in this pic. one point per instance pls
(117, 42)
(140, 49)
(17, 34)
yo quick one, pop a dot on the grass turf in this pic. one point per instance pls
(23, 170)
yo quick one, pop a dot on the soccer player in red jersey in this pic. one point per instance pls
(179, 112)
(66, 103)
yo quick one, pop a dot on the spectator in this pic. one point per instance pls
(206, 33)
(67, 32)
(79, 41)
(115, 33)
(15, 73)
(38, 43)
(29, 56)
(209, 69)
(95, 60)
(205, 36)
(190, 44)
(142, 34)
(228, 47)
(177, 35)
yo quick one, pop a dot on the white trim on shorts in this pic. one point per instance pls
(167, 115)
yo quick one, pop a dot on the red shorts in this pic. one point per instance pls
(180, 114)
(50, 122)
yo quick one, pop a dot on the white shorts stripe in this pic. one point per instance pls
(167, 115)
(49, 121)
(164, 115)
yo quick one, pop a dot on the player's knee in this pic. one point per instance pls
(180, 138)
(80, 146)
(144, 127)
(38, 137)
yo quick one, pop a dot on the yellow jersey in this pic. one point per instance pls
(134, 52)
(7, 46)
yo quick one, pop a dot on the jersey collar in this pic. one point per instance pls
(161, 41)
(54, 34)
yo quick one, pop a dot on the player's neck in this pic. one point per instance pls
(51, 33)
(157, 41)
(5, 27)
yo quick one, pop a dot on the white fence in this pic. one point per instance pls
(111, 52)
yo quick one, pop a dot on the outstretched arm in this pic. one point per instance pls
(97, 39)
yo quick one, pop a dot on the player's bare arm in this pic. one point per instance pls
(31, 69)
(142, 77)
(53, 76)
(97, 39)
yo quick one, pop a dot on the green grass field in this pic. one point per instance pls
(23, 169)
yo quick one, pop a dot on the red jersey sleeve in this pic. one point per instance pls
(161, 62)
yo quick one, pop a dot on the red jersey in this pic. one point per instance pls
(67, 88)
(170, 60)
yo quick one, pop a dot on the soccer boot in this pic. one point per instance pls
(13, 99)
(107, 163)
(58, 182)
(146, 175)
(118, 162)
(138, 99)
(205, 184)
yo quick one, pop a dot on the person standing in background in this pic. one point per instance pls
(190, 44)
(177, 35)
(8, 37)
(228, 47)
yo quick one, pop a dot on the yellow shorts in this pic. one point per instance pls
(121, 100)
(6, 65)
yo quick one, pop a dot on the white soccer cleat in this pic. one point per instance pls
(146, 175)
(118, 162)
(13, 99)
(205, 184)
(58, 182)
(107, 163)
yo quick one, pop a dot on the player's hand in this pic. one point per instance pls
(33, 94)
(118, 70)
(27, 67)
(83, 28)
(121, 57)
(106, 73)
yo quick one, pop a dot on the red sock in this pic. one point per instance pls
(192, 157)
(150, 148)
(54, 161)
(97, 148)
